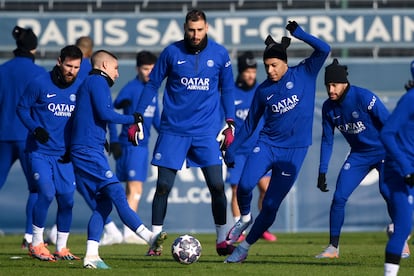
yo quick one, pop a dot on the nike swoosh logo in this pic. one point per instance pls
(50, 95)
(237, 102)
(286, 174)
(181, 62)
(337, 117)
(269, 97)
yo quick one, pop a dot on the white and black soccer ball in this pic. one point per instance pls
(186, 249)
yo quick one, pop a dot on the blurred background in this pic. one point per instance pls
(373, 37)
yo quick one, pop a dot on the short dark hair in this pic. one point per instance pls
(145, 58)
(71, 51)
(99, 52)
(195, 15)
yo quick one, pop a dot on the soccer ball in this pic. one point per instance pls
(186, 249)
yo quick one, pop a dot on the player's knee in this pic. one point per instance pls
(339, 202)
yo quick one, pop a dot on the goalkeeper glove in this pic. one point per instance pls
(409, 180)
(41, 135)
(226, 135)
(322, 182)
(136, 130)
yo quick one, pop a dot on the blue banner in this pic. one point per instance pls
(241, 30)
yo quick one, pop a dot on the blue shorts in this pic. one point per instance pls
(50, 176)
(199, 151)
(133, 164)
(234, 174)
(92, 168)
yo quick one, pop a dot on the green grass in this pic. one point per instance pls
(292, 254)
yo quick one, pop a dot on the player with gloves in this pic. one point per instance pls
(46, 109)
(199, 76)
(397, 136)
(94, 111)
(359, 115)
(286, 102)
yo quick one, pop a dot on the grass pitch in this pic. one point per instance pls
(292, 254)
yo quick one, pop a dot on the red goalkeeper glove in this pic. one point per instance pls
(226, 135)
(136, 130)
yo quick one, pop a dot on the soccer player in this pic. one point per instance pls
(246, 85)
(94, 111)
(359, 115)
(199, 76)
(132, 162)
(45, 109)
(15, 74)
(397, 136)
(286, 101)
(111, 234)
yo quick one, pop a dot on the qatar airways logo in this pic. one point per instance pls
(242, 113)
(61, 110)
(196, 83)
(285, 105)
(352, 128)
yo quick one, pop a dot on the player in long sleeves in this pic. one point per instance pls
(286, 100)
(94, 111)
(199, 76)
(15, 74)
(359, 115)
(45, 109)
(111, 235)
(397, 136)
(245, 88)
(132, 162)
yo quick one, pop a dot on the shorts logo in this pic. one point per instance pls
(347, 166)
(210, 63)
(36, 176)
(256, 149)
(157, 156)
(132, 173)
(285, 173)
(109, 174)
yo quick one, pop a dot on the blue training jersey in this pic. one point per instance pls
(242, 102)
(46, 105)
(397, 135)
(288, 104)
(93, 111)
(15, 74)
(359, 116)
(132, 92)
(196, 83)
